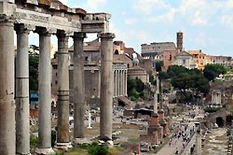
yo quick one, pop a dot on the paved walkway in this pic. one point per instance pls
(186, 151)
(178, 143)
(170, 150)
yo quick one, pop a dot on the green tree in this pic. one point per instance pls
(196, 83)
(163, 75)
(137, 89)
(210, 74)
(33, 72)
(211, 71)
(152, 80)
(158, 66)
(175, 70)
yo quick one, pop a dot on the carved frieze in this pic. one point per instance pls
(93, 23)
(32, 17)
(46, 20)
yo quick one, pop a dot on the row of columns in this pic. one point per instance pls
(120, 82)
(11, 126)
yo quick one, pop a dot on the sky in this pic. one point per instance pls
(207, 25)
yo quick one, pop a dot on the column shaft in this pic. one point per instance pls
(122, 82)
(155, 102)
(78, 86)
(44, 91)
(126, 83)
(106, 95)
(63, 89)
(22, 92)
(118, 82)
(115, 86)
(7, 105)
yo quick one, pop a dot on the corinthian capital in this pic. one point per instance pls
(21, 28)
(45, 31)
(5, 18)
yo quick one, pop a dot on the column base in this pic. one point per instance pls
(23, 154)
(45, 151)
(108, 143)
(79, 141)
(89, 127)
(63, 146)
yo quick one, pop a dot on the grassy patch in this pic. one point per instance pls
(74, 151)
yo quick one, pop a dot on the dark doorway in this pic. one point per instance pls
(116, 52)
(219, 121)
(121, 103)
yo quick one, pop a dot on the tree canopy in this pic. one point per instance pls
(187, 80)
(33, 72)
(158, 65)
(211, 71)
(136, 89)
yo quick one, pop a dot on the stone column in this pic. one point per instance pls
(126, 83)
(116, 82)
(119, 82)
(22, 92)
(78, 86)
(155, 102)
(7, 104)
(123, 82)
(44, 144)
(106, 95)
(115, 85)
(63, 139)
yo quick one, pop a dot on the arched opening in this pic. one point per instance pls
(116, 52)
(220, 121)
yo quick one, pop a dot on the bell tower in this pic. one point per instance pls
(179, 41)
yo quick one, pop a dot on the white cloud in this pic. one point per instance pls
(227, 21)
(189, 6)
(90, 5)
(199, 19)
(131, 21)
(199, 40)
(93, 4)
(147, 6)
(168, 17)
(123, 13)
(229, 4)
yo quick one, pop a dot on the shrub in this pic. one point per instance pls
(211, 109)
(53, 137)
(95, 149)
(33, 141)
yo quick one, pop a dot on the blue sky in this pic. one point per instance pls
(207, 24)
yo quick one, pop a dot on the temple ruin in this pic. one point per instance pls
(46, 18)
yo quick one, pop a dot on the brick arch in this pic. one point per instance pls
(215, 117)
